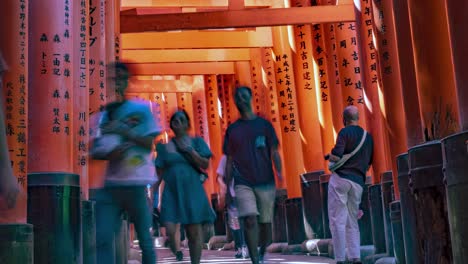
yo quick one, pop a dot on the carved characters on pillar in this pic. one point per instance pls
(97, 91)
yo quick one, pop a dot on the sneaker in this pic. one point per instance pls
(238, 253)
(179, 255)
(245, 252)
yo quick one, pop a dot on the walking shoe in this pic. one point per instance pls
(245, 252)
(179, 255)
(238, 253)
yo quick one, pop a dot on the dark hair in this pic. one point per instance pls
(243, 88)
(122, 66)
(183, 112)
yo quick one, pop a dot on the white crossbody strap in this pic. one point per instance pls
(333, 166)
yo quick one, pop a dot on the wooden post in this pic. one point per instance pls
(231, 108)
(97, 81)
(457, 18)
(391, 80)
(289, 113)
(214, 126)
(436, 84)
(14, 26)
(222, 103)
(50, 86)
(375, 108)
(271, 104)
(306, 95)
(81, 93)
(323, 83)
(414, 130)
(258, 87)
(200, 109)
(242, 69)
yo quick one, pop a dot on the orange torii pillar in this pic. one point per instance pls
(97, 80)
(434, 68)
(51, 86)
(333, 74)
(222, 103)
(405, 56)
(112, 33)
(199, 109)
(322, 88)
(306, 95)
(457, 20)
(347, 46)
(258, 87)
(214, 125)
(289, 113)
(271, 105)
(159, 115)
(81, 93)
(14, 18)
(232, 114)
(201, 122)
(242, 73)
(184, 101)
(391, 80)
(375, 110)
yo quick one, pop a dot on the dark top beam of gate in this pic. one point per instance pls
(230, 19)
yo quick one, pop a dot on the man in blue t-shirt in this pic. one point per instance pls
(251, 147)
(346, 186)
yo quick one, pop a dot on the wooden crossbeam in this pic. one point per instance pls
(185, 55)
(237, 18)
(261, 37)
(188, 68)
(193, 3)
(159, 86)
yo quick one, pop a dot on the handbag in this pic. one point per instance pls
(203, 173)
(333, 166)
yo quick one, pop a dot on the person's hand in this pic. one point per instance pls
(360, 214)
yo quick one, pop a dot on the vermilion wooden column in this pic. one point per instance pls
(374, 105)
(323, 87)
(434, 68)
(394, 109)
(414, 130)
(222, 103)
(199, 109)
(258, 87)
(457, 19)
(347, 45)
(50, 87)
(306, 95)
(334, 73)
(289, 113)
(112, 33)
(97, 81)
(14, 18)
(184, 101)
(242, 74)
(214, 125)
(81, 93)
(160, 114)
(231, 108)
(271, 104)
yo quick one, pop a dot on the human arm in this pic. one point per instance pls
(338, 151)
(199, 153)
(276, 157)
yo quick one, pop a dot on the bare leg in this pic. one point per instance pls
(195, 242)
(173, 232)
(265, 236)
(251, 237)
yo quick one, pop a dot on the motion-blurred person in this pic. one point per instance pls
(184, 201)
(251, 147)
(128, 130)
(9, 188)
(227, 191)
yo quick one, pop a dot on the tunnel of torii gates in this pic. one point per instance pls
(400, 62)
